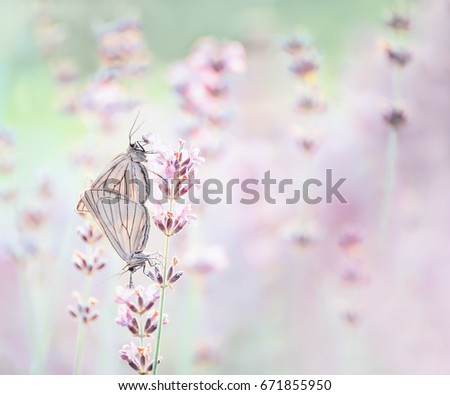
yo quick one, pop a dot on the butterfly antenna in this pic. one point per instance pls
(139, 126)
(132, 127)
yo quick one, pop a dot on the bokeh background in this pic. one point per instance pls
(360, 87)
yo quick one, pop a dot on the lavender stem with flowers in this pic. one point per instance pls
(395, 117)
(176, 169)
(88, 264)
(203, 83)
(179, 175)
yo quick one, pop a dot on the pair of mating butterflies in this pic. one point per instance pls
(117, 204)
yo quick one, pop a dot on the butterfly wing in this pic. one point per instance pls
(125, 223)
(125, 176)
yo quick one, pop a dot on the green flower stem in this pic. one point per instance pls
(161, 300)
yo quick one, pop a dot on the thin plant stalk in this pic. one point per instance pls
(391, 161)
(81, 333)
(161, 300)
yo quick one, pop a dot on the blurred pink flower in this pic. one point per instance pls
(83, 311)
(89, 233)
(201, 79)
(206, 259)
(219, 56)
(105, 96)
(89, 265)
(31, 218)
(122, 47)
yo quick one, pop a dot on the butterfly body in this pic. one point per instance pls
(125, 223)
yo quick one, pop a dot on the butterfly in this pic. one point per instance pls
(126, 174)
(125, 223)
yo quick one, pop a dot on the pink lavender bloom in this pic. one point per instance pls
(124, 294)
(304, 68)
(177, 168)
(138, 358)
(354, 275)
(106, 97)
(139, 300)
(395, 117)
(89, 265)
(213, 55)
(201, 79)
(83, 311)
(304, 235)
(64, 71)
(350, 240)
(122, 47)
(172, 222)
(89, 233)
(398, 56)
(31, 219)
(310, 103)
(399, 22)
(294, 46)
(172, 276)
(124, 316)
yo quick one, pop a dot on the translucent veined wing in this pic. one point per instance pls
(125, 223)
(126, 174)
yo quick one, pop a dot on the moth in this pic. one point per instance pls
(125, 223)
(126, 174)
